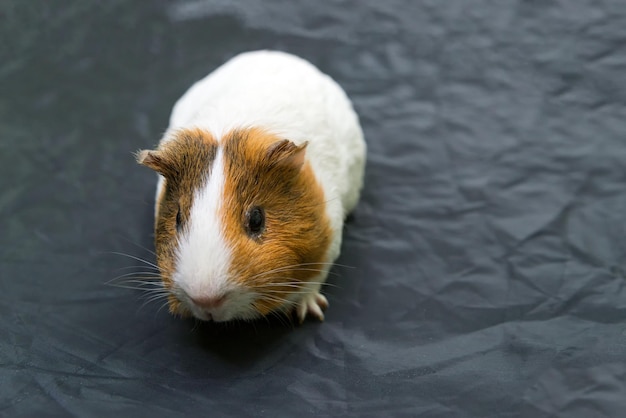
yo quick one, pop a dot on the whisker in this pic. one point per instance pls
(146, 281)
(140, 246)
(138, 267)
(272, 299)
(149, 281)
(295, 266)
(317, 263)
(139, 288)
(325, 263)
(161, 307)
(278, 300)
(147, 286)
(195, 324)
(281, 318)
(267, 319)
(274, 285)
(308, 269)
(147, 273)
(156, 294)
(293, 271)
(153, 298)
(295, 284)
(135, 258)
(289, 292)
(274, 314)
(152, 281)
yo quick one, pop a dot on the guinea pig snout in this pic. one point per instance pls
(208, 302)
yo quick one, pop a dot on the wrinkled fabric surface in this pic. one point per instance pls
(486, 272)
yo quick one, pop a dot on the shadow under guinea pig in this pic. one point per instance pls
(239, 349)
(239, 341)
(247, 348)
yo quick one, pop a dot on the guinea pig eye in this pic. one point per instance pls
(178, 219)
(256, 221)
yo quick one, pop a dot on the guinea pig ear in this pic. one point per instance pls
(287, 154)
(151, 159)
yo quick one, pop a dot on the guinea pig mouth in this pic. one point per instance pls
(204, 316)
(199, 312)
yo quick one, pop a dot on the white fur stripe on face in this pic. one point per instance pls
(203, 256)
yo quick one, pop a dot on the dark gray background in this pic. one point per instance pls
(488, 248)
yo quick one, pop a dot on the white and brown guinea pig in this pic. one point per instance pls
(261, 163)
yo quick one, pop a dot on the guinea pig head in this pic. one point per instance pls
(241, 227)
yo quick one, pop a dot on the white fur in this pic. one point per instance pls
(290, 97)
(203, 256)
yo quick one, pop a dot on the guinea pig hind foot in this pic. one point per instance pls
(312, 304)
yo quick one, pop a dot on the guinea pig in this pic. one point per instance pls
(260, 164)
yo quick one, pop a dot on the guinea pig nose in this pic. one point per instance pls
(209, 302)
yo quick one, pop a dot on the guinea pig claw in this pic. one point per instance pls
(312, 305)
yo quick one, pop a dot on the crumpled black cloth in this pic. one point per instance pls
(482, 274)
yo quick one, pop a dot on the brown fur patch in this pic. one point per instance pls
(185, 162)
(266, 171)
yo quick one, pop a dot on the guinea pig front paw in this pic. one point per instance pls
(312, 304)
